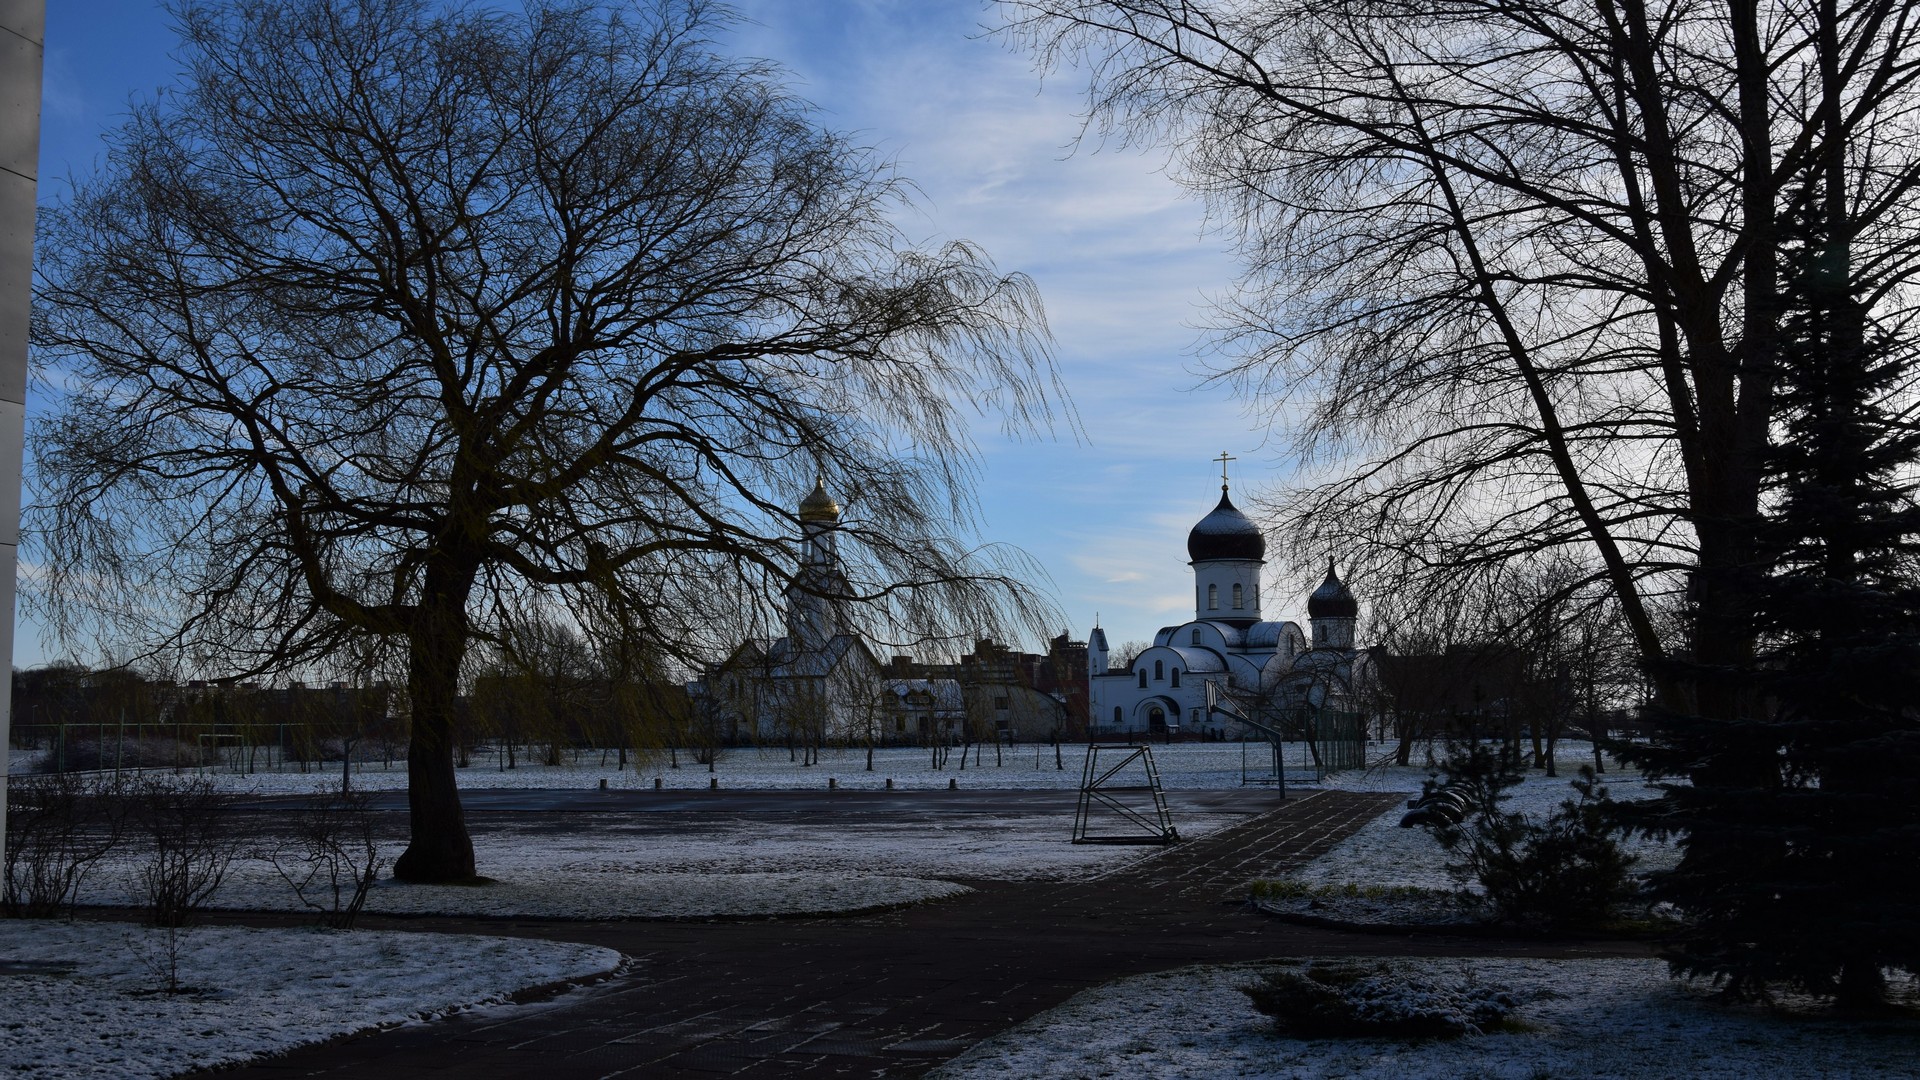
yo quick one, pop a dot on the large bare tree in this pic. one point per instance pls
(404, 322)
(1510, 263)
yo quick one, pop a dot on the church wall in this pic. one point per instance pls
(1185, 703)
(1214, 582)
(1227, 644)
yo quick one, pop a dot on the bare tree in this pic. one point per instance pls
(1518, 256)
(398, 322)
(1126, 653)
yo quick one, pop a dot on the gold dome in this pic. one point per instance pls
(818, 505)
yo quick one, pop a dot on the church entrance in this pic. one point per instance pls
(1156, 719)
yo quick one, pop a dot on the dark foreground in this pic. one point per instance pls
(889, 995)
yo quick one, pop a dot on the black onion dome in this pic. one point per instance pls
(1332, 600)
(1226, 534)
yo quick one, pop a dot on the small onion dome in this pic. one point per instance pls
(818, 505)
(1226, 534)
(1332, 600)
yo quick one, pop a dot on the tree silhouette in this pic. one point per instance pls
(403, 322)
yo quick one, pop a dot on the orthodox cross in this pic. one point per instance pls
(1223, 459)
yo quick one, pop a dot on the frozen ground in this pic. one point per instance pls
(1183, 767)
(646, 867)
(1584, 1020)
(82, 1000)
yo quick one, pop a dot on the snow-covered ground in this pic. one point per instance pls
(1183, 767)
(83, 1000)
(638, 867)
(1583, 1020)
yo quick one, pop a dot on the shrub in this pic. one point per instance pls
(58, 827)
(1565, 871)
(1337, 1000)
(332, 860)
(192, 841)
(91, 753)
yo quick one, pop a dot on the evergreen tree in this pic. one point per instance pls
(1801, 817)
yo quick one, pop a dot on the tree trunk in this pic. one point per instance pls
(438, 846)
(1862, 985)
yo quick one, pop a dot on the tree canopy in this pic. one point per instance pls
(407, 323)
(1509, 266)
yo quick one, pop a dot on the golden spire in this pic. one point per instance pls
(818, 505)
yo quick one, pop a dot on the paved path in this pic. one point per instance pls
(879, 996)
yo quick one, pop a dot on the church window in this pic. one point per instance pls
(1117, 718)
(1159, 671)
(1176, 678)
(1213, 598)
(1196, 636)
(1143, 678)
(1238, 603)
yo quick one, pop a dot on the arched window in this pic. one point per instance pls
(1196, 635)
(1159, 671)
(1143, 678)
(1213, 598)
(1238, 603)
(1117, 719)
(1176, 678)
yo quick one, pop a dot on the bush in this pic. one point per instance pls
(1337, 1000)
(91, 753)
(332, 860)
(1566, 871)
(58, 827)
(192, 838)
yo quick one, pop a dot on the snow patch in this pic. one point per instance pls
(78, 1000)
(1583, 1020)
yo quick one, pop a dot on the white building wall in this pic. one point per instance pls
(1214, 582)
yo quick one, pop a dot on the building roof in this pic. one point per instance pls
(1226, 533)
(778, 658)
(818, 505)
(1267, 635)
(1332, 600)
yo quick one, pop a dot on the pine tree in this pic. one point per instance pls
(1801, 819)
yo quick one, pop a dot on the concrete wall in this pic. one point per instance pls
(23, 27)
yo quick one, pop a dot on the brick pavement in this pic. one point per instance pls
(889, 995)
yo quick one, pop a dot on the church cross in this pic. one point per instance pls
(1223, 459)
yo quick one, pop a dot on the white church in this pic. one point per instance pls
(820, 681)
(1228, 660)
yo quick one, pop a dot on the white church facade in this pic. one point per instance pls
(818, 683)
(1228, 662)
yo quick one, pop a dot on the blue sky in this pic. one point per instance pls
(1118, 250)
